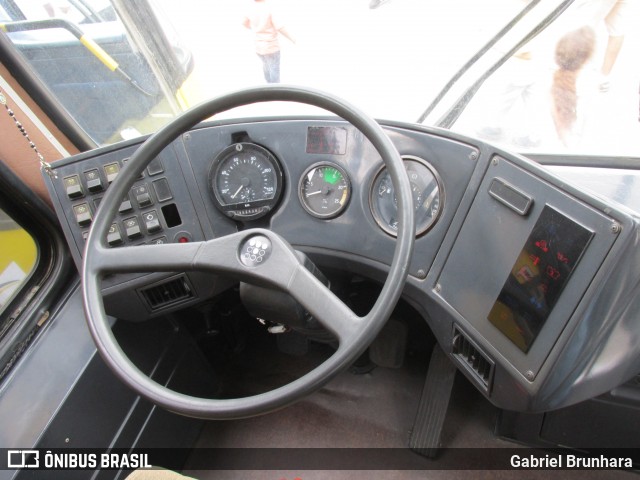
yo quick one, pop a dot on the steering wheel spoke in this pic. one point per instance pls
(324, 305)
(171, 257)
(255, 256)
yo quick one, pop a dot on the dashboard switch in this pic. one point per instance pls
(132, 227)
(142, 195)
(159, 241)
(94, 183)
(163, 191)
(151, 221)
(125, 206)
(82, 213)
(111, 171)
(73, 187)
(155, 167)
(114, 237)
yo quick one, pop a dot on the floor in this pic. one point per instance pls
(356, 427)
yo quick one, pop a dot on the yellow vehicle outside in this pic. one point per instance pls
(18, 256)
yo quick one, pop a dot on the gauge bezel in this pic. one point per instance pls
(252, 210)
(419, 232)
(302, 198)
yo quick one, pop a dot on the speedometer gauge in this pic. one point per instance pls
(246, 181)
(324, 190)
(425, 191)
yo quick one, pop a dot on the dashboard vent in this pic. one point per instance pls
(472, 359)
(167, 293)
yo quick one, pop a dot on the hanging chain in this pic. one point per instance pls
(43, 165)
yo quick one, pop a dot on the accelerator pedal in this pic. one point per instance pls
(427, 427)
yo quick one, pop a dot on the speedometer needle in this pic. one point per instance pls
(313, 193)
(237, 191)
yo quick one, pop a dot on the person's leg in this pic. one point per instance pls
(265, 67)
(271, 67)
(274, 68)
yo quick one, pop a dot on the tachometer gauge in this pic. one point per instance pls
(246, 181)
(324, 190)
(425, 190)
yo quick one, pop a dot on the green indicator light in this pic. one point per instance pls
(332, 176)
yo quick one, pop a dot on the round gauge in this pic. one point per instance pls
(246, 181)
(324, 190)
(425, 190)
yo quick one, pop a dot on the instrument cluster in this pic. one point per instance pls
(247, 181)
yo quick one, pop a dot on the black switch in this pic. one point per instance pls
(125, 206)
(155, 167)
(143, 197)
(114, 237)
(132, 227)
(151, 221)
(163, 191)
(159, 241)
(82, 213)
(94, 183)
(73, 187)
(111, 171)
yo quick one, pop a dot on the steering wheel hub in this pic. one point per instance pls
(255, 250)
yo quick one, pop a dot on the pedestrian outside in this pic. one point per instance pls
(267, 28)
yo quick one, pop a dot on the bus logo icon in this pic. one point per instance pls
(23, 459)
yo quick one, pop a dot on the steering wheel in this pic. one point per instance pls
(280, 268)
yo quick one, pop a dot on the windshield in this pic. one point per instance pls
(123, 69)
(390, 60)
(571, 89)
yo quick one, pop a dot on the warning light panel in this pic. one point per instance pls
(538, 277)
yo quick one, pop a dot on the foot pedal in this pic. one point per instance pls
(389, 347)
(362, 365)
(427, 427)
(293, 343)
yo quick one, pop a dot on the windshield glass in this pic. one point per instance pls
(123, 69)
(571, 89)
(390, 60)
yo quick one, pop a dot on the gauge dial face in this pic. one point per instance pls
(324, 190)
(246, 181)
(425, 190)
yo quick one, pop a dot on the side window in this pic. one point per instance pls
(81, 51)
(18, 258)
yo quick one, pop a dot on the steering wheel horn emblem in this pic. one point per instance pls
(255, 250)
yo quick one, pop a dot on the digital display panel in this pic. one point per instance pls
(327, 140)
(538, 277)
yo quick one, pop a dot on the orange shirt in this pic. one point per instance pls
(261, 20)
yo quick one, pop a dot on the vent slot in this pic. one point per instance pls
(167, 293)
(474, 361)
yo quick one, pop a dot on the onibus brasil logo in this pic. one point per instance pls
(34, 458)
(23, 459)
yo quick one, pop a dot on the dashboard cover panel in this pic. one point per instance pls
(490, 244)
